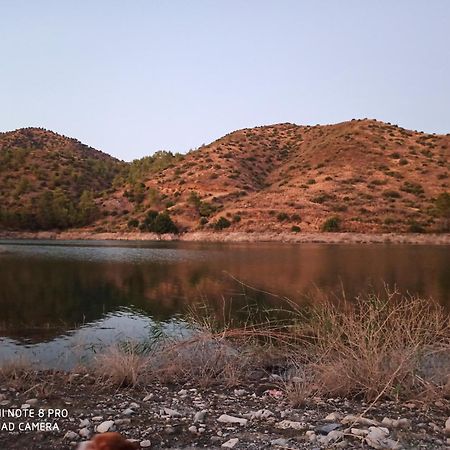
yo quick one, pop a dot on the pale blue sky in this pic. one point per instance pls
(134, 76)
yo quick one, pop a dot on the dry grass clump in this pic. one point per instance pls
(377, 346)
(121, 366)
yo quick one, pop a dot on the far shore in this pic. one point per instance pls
(240, 236)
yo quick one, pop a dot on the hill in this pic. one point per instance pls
(50, 181)
(360, 176)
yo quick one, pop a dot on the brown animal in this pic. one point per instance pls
(107, 441)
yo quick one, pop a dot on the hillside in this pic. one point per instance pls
(48, 180)
(365, 175)
(361, 175)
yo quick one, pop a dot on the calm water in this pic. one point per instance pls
(59, 301)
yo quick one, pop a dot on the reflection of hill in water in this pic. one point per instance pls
(60, 294)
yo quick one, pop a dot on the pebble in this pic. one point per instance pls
(281, 442)
(170, 412)
(32, 401)
(85, 433)
(108, 425)
(333, 417)
(145, 444)
(231, 443)
(325, 429)
(287, 424)
(85, 423)
(225, 418)
(71, 436)
(199, 416)
(193, 429)
(447, 427)
(378, 438)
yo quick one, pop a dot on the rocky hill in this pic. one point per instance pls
(48, 180)
(361, 175)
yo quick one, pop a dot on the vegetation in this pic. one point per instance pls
(332, 224)
(160, 223)
(221, 223)
(442, 205)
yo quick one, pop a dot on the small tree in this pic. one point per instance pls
(332, 224)
(442, 204)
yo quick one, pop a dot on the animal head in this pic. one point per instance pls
(107, 441)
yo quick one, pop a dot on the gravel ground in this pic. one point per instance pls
(254, 416)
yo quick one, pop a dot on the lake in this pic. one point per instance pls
(62, 300)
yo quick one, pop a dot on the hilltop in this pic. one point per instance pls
(359, 176)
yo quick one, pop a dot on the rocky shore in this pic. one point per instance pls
(210, 236)
(256, 415)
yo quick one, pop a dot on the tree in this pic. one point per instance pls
(442, 204)
(87, 209)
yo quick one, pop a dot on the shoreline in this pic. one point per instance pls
(237, 237)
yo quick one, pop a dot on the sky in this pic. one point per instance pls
(132, 77)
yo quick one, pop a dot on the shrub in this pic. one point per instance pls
(295, 229)
(236, 218)
(412, 188)
(416, 227)
(332, 224)
(133, 223)
(222, 223)
(391, 194)
(281, 217)
(160, 223)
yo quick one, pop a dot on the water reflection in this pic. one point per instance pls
(53, 292)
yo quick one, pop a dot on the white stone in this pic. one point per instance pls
(231, 443)
(85, 423)
(225, 418)
(134, 405)
(447, 427)
(32, 401)
(171, 412)
(107, 425)
(147, 398)
(290, 424)
(333, 417)
(200, 415)
(378, 438)
(85, 433)
(145, 444)
(193, 429)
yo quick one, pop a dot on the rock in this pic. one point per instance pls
(107, 425)
(333, 417)
(260, 414)
(128, 412)
(85, 423)
(32, 401)
(225, 418)
(97, 418)
(71, 436)
(447, 427)
(147, 398)
(193, 429)
(280, 441)
(289, 424)
(231, 443)
(170, 412)
(25, 406)
(378, 438)
(311, 435)
(239, 392)
(120, 422)
(359, 432)
(134, 405)
(392, 423)
(353, 420)
(325, 429)
(332, 436)
(199, 416)
(145, 444)
(85, 433)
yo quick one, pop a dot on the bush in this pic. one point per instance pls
(416, 227)
(222, 223)
(160, 223)
(133, 223)
(391, 194)
(295, 229)
(332, 224)
(281, 217)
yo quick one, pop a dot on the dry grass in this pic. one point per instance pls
(376, 346)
